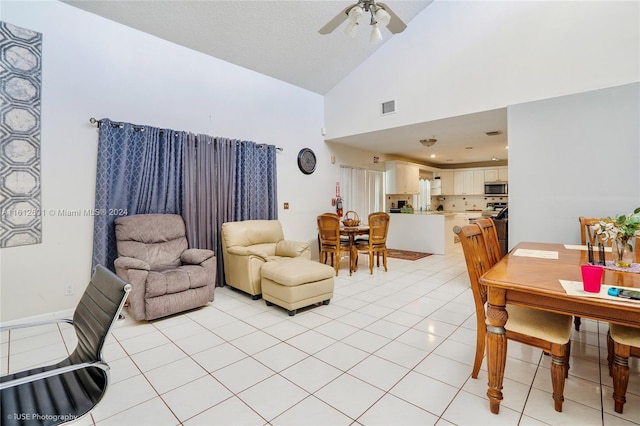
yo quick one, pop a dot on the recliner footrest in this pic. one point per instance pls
(296, 283)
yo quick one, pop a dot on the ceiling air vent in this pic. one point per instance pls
(388, 107)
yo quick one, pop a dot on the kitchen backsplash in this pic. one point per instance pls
(449, 202)
(465, 202)
(394, 198)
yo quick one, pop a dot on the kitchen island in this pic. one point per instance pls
(428, 232)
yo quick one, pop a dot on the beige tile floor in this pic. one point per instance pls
(392, 348)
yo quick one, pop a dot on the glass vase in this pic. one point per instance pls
(622, 252)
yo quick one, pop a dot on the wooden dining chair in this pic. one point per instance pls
(330, 242)
(490, 234)
(376, 243)
(622, 342)
(588, 235)
(545, 330)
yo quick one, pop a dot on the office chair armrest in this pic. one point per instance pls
(35, 324)
(55, 372)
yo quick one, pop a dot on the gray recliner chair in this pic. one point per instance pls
(167, 276)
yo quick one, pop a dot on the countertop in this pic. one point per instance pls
(448, 212)
(427, 231)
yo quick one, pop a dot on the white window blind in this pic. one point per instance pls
(424, 197)
(362, 191)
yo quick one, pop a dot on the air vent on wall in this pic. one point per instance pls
(388, 107)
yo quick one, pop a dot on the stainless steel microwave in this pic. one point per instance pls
(496, 188)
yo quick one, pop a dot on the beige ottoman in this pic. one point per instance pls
(296, 283)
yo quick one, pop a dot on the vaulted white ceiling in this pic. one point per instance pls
(280, 38)
(276, 38)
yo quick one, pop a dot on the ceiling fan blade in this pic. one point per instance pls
(336, 21)
(395, 24)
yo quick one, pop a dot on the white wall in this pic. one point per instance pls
(572, 156)
(455, 58)
(462, 57)
(93, 67)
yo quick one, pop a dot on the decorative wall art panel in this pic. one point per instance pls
(20, 87)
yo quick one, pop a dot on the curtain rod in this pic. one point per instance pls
(92, 120)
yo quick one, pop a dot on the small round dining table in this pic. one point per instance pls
(351, 232)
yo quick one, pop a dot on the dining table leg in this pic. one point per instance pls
(496, 345)
(351, 241)
(620, 372)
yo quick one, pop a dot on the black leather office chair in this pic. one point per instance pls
(68, 390)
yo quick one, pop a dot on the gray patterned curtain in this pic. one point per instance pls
(255, 182)
(139, 170)
(207, 180)
(208, 195)
(226, 180)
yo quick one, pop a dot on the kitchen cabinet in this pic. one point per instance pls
(436, 186)
(460, 180)
(446, 182)
(462, 219)
(499, 174)
(468, 182)
(402, 177)
(491, 175)
(478, 182)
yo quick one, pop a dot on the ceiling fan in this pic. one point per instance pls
(380, 14)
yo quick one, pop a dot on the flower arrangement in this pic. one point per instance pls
(618, 228)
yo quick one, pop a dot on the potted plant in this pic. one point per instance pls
(620, 230)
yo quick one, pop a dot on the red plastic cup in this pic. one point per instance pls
(592, 278)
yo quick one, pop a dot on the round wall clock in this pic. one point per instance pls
(306, 161)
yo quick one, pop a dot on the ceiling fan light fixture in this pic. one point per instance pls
(376, 35)
(352, 24)
(351, 29)
(382, 16)
(355, 13)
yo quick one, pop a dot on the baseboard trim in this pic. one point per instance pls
(67, 313)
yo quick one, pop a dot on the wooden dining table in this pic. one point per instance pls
(529, 276)
(351, 232)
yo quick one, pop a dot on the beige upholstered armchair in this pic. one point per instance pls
(248, 244)
(167, 276)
